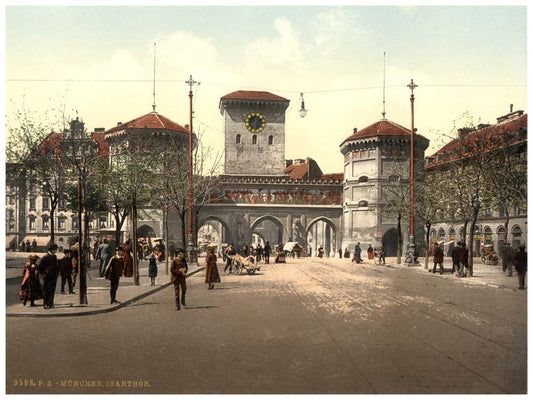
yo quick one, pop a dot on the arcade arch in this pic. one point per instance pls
(321, 232)
(267, 228)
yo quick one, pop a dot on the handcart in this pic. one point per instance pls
(240, 263)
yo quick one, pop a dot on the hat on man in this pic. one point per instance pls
(179, 251)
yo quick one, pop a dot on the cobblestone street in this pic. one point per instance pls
(308, 326)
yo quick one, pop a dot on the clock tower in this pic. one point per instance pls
(254, 133)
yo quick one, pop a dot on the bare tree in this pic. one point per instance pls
(395, 200)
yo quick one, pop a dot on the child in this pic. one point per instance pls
(152, 267)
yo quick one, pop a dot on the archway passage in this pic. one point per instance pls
(390, 242)
(267, 229)
(321, 233)
(212, 230)
(145, 231)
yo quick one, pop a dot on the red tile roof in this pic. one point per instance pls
(297, 171)
(485, 139)
(150, 121)
(381, 128)
(253, 95)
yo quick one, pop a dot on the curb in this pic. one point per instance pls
(105, 310)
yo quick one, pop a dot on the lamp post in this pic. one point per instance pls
(410, 257)
(191, 254)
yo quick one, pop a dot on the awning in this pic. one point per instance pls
(289, 246)
(9, 239)
(41, 240)
(449, 243)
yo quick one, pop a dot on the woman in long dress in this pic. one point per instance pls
(128, 259)
(30, 288)
(211, 270)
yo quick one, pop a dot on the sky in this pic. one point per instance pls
(97, 62)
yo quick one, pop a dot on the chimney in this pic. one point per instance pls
(187, 126)
(97, 130)
(288, 163)
(462, 132)
(119, 123)
(511, 109)
(354, 130)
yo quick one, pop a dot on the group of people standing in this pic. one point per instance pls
(47, 271)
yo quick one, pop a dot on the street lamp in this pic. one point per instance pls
(191, 254)
(410, 257)
(303, 111)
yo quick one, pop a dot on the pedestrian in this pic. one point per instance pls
(266, 252)
(211, 270)
(74, 252)
(463, 260)
(30, 288)
(245, 251)
(229, 253)
(49, 270)
(340, 252)
(65, 270)
(33, 246)
(280, 255)
(455, 257)
(96, 244)
(104, 254)
(152, 267)
(438, 258)
(113, 272)
(28, 246)
(259, 252)
(346, 253)
(159, 250)
(520, 264)
(128, 259)
(178, 275)
(320, 252)
(507, 257)
(370, 252)
(357, 253)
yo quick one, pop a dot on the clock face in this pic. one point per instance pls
(255, 122)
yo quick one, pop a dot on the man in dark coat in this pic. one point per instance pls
(520, 264)
(230, 251)
(65, 269)
(507, 257)
(104, 254)
(438, 258)
(357, 253)
(463, 260)
(113, 273)
(49, 270)
(178, 274)
(455, 257)
(266, 252)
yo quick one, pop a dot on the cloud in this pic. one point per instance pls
(330, 28)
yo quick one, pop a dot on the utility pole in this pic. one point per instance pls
(410, 258)
(191, 251)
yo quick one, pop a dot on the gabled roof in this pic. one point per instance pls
(253, 95)
(152, 121)
(486, 139)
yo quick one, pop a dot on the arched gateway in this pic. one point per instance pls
(263, 197)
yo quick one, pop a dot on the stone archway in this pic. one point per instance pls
(269, 229)
(218, 225)
(321, 232)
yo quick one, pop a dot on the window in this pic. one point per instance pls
(74, 222)
(62, 224)
(363, 179)
(32, 203)
(394, 178)
(363, 203)
(103, 222)
(61, 203)
(46, 222)
(31, 220)
(254, 139)
(238, 139)
(271, 140)
(46, 203)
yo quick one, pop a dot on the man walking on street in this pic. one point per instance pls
(65, 270)
(438, 257)
(455, 257)
(178, 274)
(520, 264)
(49, 270)
(103, 254)
(230, 251)
(113, 273)
(266, 252)
(507, 258)
(463, 260)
